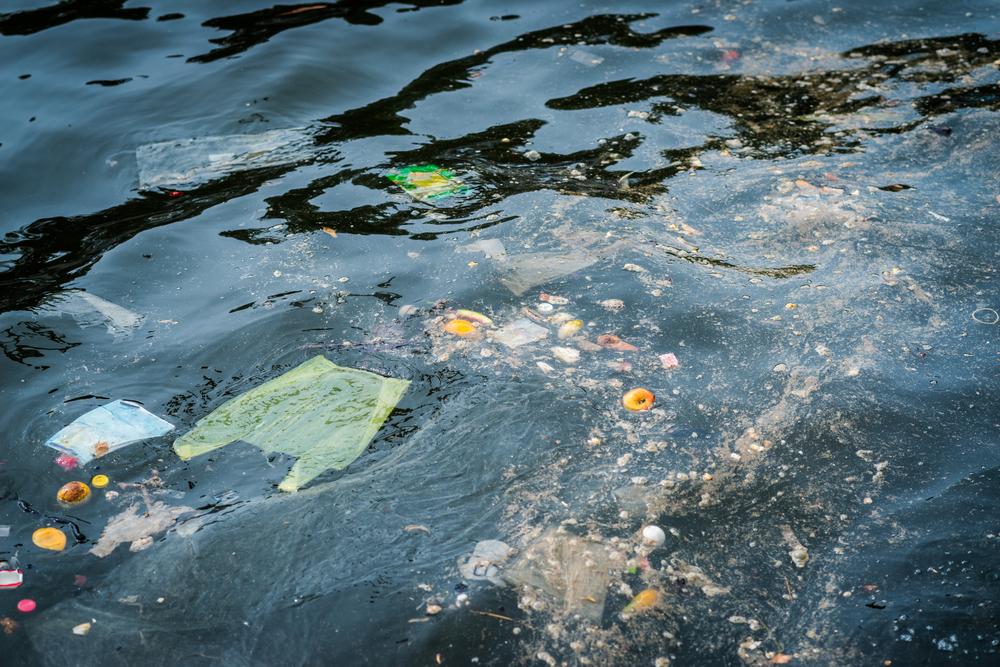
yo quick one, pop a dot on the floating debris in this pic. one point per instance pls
(669, 361)
(100, 481)
(638, 399)
(530, 270)
(460, 327)
(137, 527)
(567, 355)
(190, 162)
(797, 552)
(427, 183)
(520, 332)
(585, 58)
(82, 629)
(322, 414)
(613, 305)
(485, 562)
(613, 342)
(553, 299)
(643, 601)
(73, 493)
(568, 571)
(570, 329)
(52, 539)
(106, 429)
(66, 462)
(653, 536)
(89, 310)
(417, 528)
(492, 248)
(10, 577)
(473, 316)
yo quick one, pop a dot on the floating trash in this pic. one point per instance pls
(669, 361)
(427, 183)
(89, 310)
(570, 572)
(570, 329)
(986, 316)
(520, 332)
(73, 493)
(473, 316)
(653, 536)
(320, 413)
(100, 481)
(492, 248)
(644, 601)
(567, 355)
(586, 58)
(67, 462)
(82, 629)
(460, 327)
(52, 539)
(553, 299)
(137, 526)
(26, 606)
(4, 530)
(638, 399)
(533, 269)
(613, 342)
(484, 564)
(10, 577)
(107, 429)
(192, 162)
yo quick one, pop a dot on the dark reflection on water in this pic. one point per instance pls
(796, 199)
(29, 21)
(249, 30)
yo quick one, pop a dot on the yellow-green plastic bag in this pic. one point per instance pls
(321, 413)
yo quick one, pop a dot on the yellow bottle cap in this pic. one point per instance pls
(100, 481)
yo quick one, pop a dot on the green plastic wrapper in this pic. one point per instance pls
(321, 413)
(427, 183)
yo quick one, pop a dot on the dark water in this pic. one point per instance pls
(834, 389)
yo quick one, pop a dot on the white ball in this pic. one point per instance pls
(653, 536)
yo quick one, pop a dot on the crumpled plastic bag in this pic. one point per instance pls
(106, 429)
(321, 413)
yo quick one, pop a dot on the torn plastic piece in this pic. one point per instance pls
(4, 531)
(571, 572)
(66, 462)
(586, 58)
(528, 270)
(520, 332)
(192, 162)
(322, 414)
(106, 429)
(138, 525)
(10, 576)
(492, 248)
(428, 182)
(485, 562)
(89, 310)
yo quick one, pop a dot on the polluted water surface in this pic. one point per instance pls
(499, 333)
